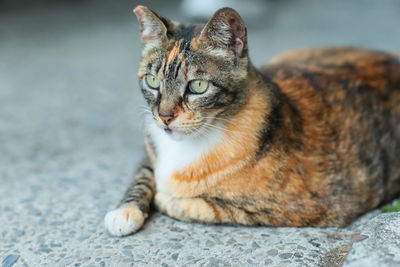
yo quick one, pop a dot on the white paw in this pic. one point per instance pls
(124, 220)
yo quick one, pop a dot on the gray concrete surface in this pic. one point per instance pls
(382, 246)
(70, 137)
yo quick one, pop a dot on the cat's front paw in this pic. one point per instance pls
(124, 220)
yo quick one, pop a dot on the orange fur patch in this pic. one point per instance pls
(171, 55)
(227, 159)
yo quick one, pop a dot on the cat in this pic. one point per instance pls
(312, 139)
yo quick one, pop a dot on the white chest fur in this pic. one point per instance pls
(173, 155)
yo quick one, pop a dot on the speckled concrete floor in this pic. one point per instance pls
(70, 136)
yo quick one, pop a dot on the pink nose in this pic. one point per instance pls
(167, 119)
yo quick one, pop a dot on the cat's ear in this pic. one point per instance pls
(153, 28)
(225, 30)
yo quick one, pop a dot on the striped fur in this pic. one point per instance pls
(310, 140)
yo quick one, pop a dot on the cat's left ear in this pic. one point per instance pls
(153, 28)
(225, 30)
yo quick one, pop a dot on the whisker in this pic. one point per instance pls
(203, 132)
(220, 128)
(145, 112)
(232, 142)
(217, 118)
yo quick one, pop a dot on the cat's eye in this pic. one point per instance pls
(152, 81)
(198, 86)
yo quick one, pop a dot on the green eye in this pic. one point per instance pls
(152, 81)
(198, 86)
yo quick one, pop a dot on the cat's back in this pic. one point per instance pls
(343, 59)
(349, 98)
(345, 80)
(341, 68)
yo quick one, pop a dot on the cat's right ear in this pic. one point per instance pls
(153, 30)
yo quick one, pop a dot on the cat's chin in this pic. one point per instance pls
(175, 134)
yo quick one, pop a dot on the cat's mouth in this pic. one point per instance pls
(179, 132)
(182, 130)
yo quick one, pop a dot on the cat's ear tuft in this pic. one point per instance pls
(153, 30)
(225, 30)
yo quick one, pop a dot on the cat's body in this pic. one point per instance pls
(312, 139)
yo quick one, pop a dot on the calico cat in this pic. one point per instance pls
(313, 139)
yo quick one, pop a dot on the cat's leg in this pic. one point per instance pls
(135, 205)
(203, 209)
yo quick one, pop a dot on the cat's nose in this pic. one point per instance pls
(166, 118)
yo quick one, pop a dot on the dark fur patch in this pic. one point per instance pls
(185, 32)
(271, 123)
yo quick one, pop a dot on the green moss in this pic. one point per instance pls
(392, 208)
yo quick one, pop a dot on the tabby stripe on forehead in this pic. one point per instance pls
(178, 67)
(184, 45)
(172, 73)
(170, 57)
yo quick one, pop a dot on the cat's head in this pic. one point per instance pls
(193, 77)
